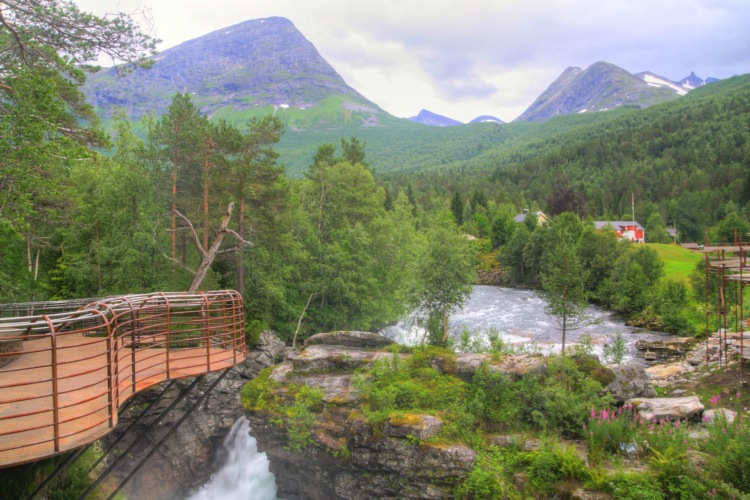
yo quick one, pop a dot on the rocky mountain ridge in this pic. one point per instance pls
(255, 64)
(600, 87)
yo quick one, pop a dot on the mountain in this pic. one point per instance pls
(429, 118)
(601, 86)
(487, 119)
(655, 80)
(259, 64)
(693, 82)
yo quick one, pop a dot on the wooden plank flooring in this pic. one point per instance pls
(27, 415)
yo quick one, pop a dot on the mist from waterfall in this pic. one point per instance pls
(245, 473)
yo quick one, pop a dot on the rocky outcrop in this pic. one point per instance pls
(349, 338)
(319, 358)
(350, 459)
(346, 456)
(664, 350)
(666, 374)
(667, 408)
(630, 382)
(492, 278)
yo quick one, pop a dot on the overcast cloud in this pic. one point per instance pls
(467, 58)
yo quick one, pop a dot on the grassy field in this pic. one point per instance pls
(678, 262)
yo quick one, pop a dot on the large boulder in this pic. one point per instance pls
(514, 365)
(420, 426)
(320, 358)
(350, 338)
(630, 382)
(666, 408)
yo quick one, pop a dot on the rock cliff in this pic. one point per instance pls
(345, 456)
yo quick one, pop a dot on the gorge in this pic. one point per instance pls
(517, 314)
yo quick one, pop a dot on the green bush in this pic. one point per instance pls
(549, 466)
(487, 479)
(610, 432)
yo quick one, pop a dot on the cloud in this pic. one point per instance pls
(463, 59)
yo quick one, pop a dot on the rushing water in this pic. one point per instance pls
(518, 315)
(245, 473)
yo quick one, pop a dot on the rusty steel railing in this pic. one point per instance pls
(65, 374)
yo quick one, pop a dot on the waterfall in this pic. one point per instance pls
(244, 474)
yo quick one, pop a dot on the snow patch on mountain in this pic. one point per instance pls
(658, 81)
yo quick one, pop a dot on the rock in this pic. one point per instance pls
(581, 494)
(663, 375)
(319, 358)
(666, 408)
(513, 365)
(533, 444)
(336, 387)
(698, 356)
(376, 465)
(491, 278)
(709, 416)
(282, 372)
(630, 382)
(670, 349)
(420, 426)
(361, 340)
(504, 440)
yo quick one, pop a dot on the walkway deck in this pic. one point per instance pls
(63, 388)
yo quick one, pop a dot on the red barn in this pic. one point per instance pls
(629, 230)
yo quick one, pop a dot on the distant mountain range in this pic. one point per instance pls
(603, 86)
(429, 118)
(426, 117)
(267, 66)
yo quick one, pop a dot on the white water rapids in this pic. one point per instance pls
(245, 473)
(519, 317)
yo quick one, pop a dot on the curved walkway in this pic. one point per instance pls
(63, 375)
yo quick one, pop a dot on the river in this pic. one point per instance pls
(519, 317)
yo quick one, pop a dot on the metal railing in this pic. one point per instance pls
(64, 374)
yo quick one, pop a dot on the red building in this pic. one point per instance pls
(629, 230)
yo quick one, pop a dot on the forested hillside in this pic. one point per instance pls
(685, 159)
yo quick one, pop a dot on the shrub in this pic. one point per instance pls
(730, 446)
(487, 478)
(549, 466)
(615, 352)
(610, 431)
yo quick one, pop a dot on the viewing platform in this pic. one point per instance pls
(67, 367)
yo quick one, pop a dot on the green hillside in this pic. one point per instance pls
(687, 159)
(679, 262)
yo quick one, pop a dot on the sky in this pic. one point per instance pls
(466, 58)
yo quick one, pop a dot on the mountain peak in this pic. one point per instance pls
(600, 87)
(252, 64)
(426, 117)
(487, 119)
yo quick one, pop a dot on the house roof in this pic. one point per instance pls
(522, 217)
(617, 224)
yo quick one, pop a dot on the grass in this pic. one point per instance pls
(679, 262)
